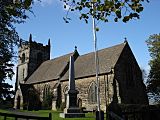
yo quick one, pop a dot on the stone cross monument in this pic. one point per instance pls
(72, 110)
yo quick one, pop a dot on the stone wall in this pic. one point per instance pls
(53, 87)
(18, 101)
(128, 75)
(22, 72)
(22, 68)
(83, 85)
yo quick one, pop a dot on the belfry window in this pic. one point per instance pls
(92, 93)
(23, 58)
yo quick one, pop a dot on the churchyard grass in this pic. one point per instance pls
(55, 115)
(5, 111)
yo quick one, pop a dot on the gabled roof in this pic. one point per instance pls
(85, 64)
(49, 70)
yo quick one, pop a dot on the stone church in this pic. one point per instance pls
(40, 78)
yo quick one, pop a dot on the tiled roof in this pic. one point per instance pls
(49, 70)
(85, 64)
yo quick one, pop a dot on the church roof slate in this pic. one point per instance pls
(84, 65)
(49, 70)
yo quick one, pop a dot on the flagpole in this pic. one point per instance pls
(96, 61)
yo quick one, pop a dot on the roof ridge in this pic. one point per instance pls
(59, 57)
(51, 69)
(104, 49)
(85, 53)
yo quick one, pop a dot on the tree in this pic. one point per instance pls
(5, 70)
(103, 9)
(153, 81)
(11, 12)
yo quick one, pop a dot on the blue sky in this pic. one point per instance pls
(48, 23)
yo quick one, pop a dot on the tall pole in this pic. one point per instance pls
(96, 61)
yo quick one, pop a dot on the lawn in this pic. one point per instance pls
(5, 111)
(55, 115)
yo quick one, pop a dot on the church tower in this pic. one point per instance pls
(30, 55)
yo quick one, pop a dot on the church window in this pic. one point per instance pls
(92, 93)
(23, 58)
(46, 91)
(39, 58)
(47, 97)
(65, 93)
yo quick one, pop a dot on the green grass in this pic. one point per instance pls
(5, 111)
(55, 115)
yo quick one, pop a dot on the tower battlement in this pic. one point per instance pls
(33, 45)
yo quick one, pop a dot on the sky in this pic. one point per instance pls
(47, 22)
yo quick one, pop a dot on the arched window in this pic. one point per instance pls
(46, 91)
(65, 93)
(92, 93)
(23, 58)
(47, 97)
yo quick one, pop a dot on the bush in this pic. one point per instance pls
(5, 104)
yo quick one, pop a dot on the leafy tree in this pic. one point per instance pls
(154, 76)
(11, 12)
(103, 9)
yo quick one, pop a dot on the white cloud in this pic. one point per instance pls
(44, 2)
